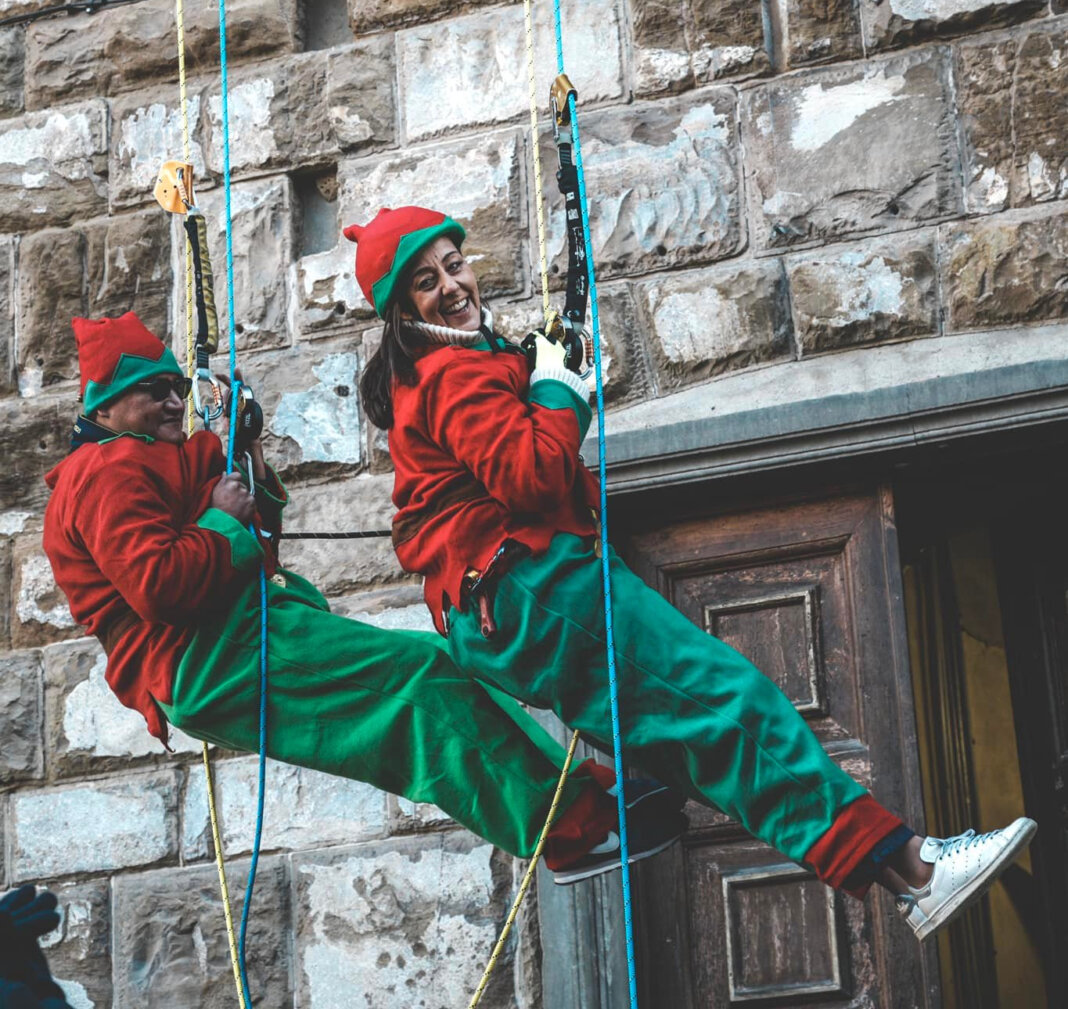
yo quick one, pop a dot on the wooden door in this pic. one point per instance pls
(811, 593)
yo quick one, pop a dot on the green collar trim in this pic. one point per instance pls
(146, 438)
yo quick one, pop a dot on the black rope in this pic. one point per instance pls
(365, 535)
(79, 6)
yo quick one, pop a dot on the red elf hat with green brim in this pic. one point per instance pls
(389, 243)
(115, 354)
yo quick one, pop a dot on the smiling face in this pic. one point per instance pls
(138, 412)
(443, 290)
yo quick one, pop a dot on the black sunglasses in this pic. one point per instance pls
(162, 386)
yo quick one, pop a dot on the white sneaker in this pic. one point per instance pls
(964, 868)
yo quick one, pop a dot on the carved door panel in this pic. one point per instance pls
(811, 593)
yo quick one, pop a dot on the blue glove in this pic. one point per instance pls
(25, 980)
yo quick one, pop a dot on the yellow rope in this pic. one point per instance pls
(190, 356)
(179, 13)
(527, 878)
(224, 889)
(539, 205)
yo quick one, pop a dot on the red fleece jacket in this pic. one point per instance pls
(481, 459)
(141, 554)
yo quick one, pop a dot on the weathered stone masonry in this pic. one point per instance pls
(770, 182)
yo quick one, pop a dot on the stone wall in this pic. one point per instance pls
(769, 181)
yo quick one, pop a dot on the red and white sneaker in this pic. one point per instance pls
(964, 868)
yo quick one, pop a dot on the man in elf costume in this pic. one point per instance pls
(159, 551)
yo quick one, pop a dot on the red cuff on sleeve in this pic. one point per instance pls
(856, 830)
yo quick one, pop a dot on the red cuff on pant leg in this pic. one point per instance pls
(586, 822)
(856, 830)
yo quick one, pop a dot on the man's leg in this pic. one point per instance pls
(386, 707)
(695, 713)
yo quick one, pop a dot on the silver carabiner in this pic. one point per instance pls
(215, 409)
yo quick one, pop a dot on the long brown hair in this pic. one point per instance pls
(394, 361)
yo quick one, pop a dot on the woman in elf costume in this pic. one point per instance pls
(496, 510)
(159, 555)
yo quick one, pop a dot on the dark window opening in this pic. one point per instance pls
(326, 24)
(316, 197)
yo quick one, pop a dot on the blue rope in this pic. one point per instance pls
(613, 684)
(234, 388)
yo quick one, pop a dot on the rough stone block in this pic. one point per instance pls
(400, 923)
(11, 8)
(79, 950)
(663, 186)
(104, 267)
(1013, 95)
(845, 151)
(661, 51)
(371, 15)
(146, 131)
(308, 109)
(22, 754)
(53, 167)
(170, 927)
(12, 69)
(262, 220)
(41, 614)
(7, 316)
(97, 826)
(477, 181)
(353, 505)
(1004, 271)
(34, 436)
(311, 410)
(622, 362)
(711, 321)
(52, 267)
(819, 31)
(129, 268)
(868, 293)
(73, 57)
(327, 294)
(396, 609)
(304, 809)
(483, 59)
(889, 23)
(88, 729)
(728, 39)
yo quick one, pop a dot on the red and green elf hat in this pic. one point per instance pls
(389, 243)
(115, 354)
